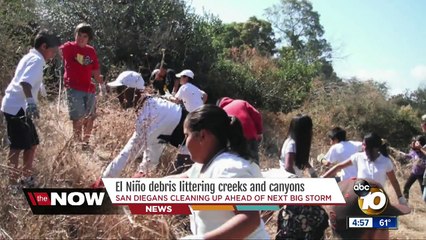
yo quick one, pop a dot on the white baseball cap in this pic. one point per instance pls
(187, 73)
(129, 79)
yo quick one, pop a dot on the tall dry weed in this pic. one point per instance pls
(60, 163)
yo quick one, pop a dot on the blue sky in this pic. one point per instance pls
(382, 40)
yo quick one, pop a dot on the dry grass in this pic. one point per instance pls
(59, 163)
(411, 226)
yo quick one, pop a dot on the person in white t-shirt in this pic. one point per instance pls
(157, 118)
(422, 148)
(190, 95)
(208, 130)
(295, 151)
(19, 105)
(341, 150)
(372, 163)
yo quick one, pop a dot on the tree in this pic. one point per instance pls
(199, 53)
(124, 30)
(132, 33)
(17, 31)
(361, 107)
(299, 26)
(255, 33)
(416, 99)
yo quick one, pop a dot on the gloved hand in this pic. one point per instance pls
(320, 157)
(31, 110)
(98, 184)
(402, 200)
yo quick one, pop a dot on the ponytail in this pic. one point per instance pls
(237, 141)
(373, 140)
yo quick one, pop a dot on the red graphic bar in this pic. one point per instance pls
(159, 209)
(33, 202)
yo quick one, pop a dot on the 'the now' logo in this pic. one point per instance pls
(66, 198)
(60, 201)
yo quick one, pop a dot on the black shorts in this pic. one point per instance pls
(21, 131)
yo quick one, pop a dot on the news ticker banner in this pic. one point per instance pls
(181, 196)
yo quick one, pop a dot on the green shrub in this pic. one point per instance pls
(275, 85)
(361, 107)
(230, 79)
(16, 33)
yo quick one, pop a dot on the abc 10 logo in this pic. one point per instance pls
(371, 200)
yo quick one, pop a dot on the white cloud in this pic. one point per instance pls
(419, 72)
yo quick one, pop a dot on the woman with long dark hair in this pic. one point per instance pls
(296, 148)
(298, 221)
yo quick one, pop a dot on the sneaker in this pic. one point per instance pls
(28, 182)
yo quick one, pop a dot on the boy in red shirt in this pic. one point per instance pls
(80, 63)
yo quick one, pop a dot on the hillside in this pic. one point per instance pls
(61, 164)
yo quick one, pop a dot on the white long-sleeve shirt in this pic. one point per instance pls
(156, 117)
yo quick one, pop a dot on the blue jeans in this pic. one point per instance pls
(81, 104)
